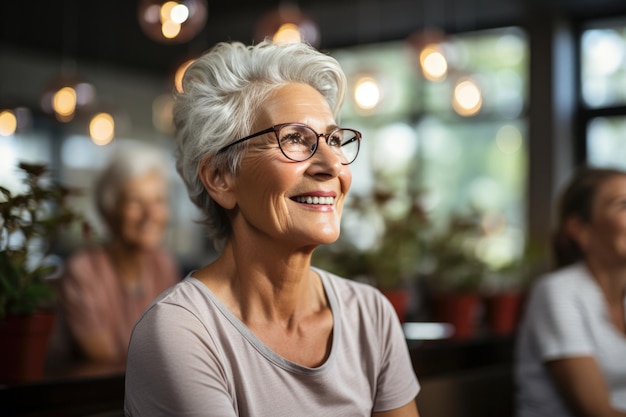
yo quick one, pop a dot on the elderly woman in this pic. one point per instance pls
(571, 346)
(259, 331)
(106, 287)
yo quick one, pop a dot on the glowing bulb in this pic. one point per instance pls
(433, 62)
(102, 129)
(367, 93)
(287, 33)
(8, 123)
(64, 103)
(180, 73)
(171, 21)
(286, 24)
(467, 99)
(166, 11)
(170, 29)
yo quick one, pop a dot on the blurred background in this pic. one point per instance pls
(473, 112)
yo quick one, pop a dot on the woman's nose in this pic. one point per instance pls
(327, 158)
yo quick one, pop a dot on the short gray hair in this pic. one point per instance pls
(223, 90)
(125, 164)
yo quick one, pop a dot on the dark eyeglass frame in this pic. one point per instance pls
(276, 129)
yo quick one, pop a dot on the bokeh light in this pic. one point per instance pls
(172, 21)
(287, 24)
(509, 139)
(102, 129)
(8, 123)
(433, 63)
(467, 99)
(367, 93)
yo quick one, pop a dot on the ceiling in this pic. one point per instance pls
(108, 32)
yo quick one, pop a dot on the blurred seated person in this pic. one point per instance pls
(571, 347)
(107, 286)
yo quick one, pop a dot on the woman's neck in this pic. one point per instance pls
(610, 277)
(265, 284)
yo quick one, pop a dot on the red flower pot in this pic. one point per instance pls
(24, 346)
(458, 309)
(502, 312)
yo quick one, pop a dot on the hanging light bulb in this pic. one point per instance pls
(433, 62)
(287, 33)
(64, 104)
(287, 24)
(367, 93)
(8, 122)
(169, 21)
(102, 128)
(14, 118)
(427, 47)
(67, 95)
(467, 99)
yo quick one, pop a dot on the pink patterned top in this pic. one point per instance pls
(94, 300)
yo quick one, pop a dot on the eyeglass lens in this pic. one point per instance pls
(300, 143)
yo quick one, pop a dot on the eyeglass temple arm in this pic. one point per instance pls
(254, 135)
(352, 139)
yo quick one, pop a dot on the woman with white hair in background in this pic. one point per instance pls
(107, 286)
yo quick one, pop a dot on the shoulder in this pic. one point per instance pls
(182, 298)
(563, 292)
(183, 312)
(86, 261)
(568, 280)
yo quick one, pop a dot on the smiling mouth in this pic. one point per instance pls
(315, 200)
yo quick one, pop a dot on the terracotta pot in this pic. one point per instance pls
(399, 298)
(24, 346)
(458, 309)
(502, 311)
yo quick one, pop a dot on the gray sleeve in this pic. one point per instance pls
(173, 368)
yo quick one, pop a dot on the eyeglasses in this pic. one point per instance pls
(298, 142)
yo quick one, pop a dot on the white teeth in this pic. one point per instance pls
(315, 200)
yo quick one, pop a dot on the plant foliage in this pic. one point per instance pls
(28, 223)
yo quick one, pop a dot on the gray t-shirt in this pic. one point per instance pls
(190, 356)
(566, 316)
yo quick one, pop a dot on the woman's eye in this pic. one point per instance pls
(334, 140)
(293, 139)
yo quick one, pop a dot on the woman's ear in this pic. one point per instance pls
(218, 185)
(578, 230)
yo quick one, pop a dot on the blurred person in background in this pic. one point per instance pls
(108, 285)
(571, 345)
(259, 331)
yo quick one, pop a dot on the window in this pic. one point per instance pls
(419, 145)
(603, 92)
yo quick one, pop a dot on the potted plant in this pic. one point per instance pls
(392, 262)
(505, 289)
(28, 223)
(456, 273)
